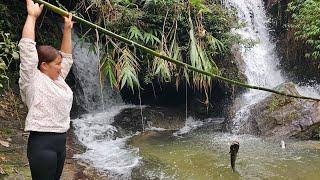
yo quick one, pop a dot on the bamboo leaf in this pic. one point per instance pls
(149, 37)
(135, 33)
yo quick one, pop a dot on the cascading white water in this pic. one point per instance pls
(90, 95)
(105, 151)
(261, 62)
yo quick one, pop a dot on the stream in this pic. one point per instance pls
(197, 150)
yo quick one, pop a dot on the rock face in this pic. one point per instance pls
(158, 117)
(280, 116)
(270, 3)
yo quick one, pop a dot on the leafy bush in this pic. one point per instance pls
(196, 32)
(8, 53)
(306, 23)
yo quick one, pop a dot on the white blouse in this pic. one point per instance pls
(49, 101)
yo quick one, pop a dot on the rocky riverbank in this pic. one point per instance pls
(13, 145)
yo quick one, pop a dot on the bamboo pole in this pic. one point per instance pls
(154, 53)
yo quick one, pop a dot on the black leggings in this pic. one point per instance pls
(46, 153)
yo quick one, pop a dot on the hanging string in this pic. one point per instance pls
(186, 100)
(99, 67)
(142, 120)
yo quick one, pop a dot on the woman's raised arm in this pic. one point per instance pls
(34, 11)
(66, 47)
(28, 51)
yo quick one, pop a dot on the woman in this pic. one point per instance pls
(48, 97)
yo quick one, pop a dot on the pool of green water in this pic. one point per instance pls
(204, 154)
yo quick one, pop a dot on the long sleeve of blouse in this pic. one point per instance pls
(49, 101)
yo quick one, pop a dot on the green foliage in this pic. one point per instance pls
(108, 68)
(216, 45)
(135, 34)
(165, 27)
(277, 102)
(8, 53)
(8, 48)
(306, 23)
(198, 5)
(161, 68)
(199, 57)
(127, 70)
(11, 21)
(9, 33)
(151, 39)
(274, 105)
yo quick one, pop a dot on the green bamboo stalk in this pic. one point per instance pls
(154, 53)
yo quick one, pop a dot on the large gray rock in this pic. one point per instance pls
(281, 116)
(157, 117)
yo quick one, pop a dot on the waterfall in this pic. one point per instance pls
(89, 93)
(106, 149)
(261, 61)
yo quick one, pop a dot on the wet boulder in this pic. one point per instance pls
(130, 119)
(281, 116)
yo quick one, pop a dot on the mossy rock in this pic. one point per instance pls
(280, 116)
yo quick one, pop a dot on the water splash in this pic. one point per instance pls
(105, 151)
(310, 89)
(190, 124)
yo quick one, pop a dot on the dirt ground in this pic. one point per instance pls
(13, 145)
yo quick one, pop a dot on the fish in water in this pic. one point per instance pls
(234, 147)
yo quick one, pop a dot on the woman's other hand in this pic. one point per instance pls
(68, 23)
(66, 45)
(34, 10)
